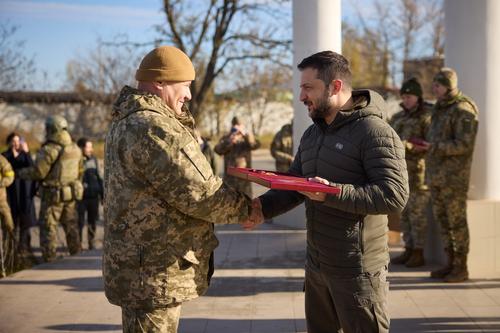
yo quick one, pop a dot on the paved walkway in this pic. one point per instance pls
(257, 288)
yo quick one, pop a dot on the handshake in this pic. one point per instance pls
(256, 217)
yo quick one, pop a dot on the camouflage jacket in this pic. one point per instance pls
(237, 154)
(452, 134)
(413, 124)
(59, 168)
(160, 198)
(6, 177)
(282, 148)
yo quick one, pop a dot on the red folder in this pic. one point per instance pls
(280, 181)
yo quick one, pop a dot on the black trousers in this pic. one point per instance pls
(89, 207)
(23, 233)
(349, 304)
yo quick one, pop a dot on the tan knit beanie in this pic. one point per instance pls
(165, 63)
(447, 77)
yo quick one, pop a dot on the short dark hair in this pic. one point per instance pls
(235, 121)
(330, 66)
(82, 142)
(11, 136)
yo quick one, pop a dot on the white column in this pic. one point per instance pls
(473, 50)
(316, 27)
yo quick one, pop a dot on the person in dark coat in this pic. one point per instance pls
(20, 196)
(92, 193)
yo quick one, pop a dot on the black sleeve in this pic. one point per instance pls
(277, 202)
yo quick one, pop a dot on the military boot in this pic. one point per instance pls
(459, 273)
(442, 272)
(416, 259)
(402, 258)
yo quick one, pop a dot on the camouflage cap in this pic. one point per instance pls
(411, 87)
(447, 77)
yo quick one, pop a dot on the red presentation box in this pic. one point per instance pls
(280, 181)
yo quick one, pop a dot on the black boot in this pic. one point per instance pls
(402, 258)
(459, 273)
(442, 272)
(416, 259)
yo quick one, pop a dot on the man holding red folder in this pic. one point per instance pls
(351, 147)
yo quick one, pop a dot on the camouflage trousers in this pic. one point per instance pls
(50, 215)
(414, 219)
(161, 320)
(449, 208)
(238, 184)
(5, 215)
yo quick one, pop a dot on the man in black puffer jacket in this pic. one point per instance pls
(352, 147)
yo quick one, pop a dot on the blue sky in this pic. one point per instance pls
(56, 31)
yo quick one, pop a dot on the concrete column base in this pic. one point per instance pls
(483, 217)
(484, 227)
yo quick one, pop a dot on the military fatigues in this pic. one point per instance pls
(160, 200)
(282, 148)
(58, 167)
(413, 124)
(452, 135)
(6, 178)
(238, 155)
(6, 223)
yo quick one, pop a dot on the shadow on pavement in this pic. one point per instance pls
(246, 286)
(84, 261)
(295, 259)
(422, 283)
(85, 327)
(83, 284)
(190, 325)
(447, 324)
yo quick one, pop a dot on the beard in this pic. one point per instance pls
(322, 109)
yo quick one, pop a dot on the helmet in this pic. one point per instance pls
(54, 124)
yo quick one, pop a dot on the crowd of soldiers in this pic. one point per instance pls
(65, 176)
(439, 141)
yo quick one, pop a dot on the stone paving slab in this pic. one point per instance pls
(257, 288)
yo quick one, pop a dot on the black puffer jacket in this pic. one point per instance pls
(360, 153)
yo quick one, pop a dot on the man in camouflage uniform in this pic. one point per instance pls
(411, 124)
(58, 167)
(6, 223)
(449, 146)
(282, 148)
(160, 198)
(236, 147)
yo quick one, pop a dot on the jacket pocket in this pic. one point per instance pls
(198, 160)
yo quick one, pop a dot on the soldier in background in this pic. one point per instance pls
(282, 148)
(160, 198)
(236, 147)
(92, 192)
(6, 223)
(58, 168)
(449, 147)
(411, 124)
